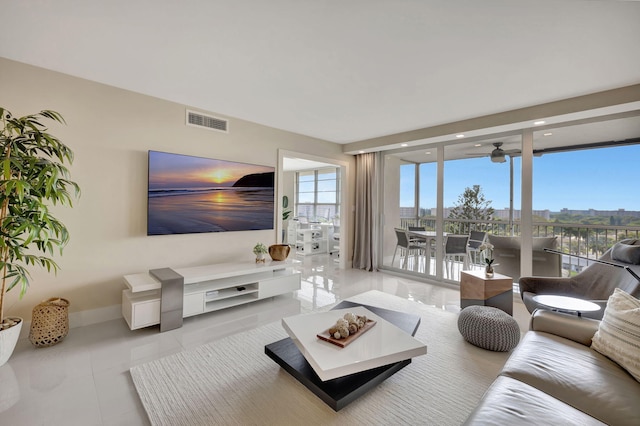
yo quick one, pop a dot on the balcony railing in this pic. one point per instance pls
(572, 238)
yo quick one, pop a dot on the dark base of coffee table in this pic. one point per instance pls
(340, 392)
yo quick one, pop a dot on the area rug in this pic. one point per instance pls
(232, 382)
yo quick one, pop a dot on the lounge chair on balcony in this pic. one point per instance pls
(595, 283)
(506, 252)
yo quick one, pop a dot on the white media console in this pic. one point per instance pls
(207, 288)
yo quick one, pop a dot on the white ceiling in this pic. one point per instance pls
(620, 130)
(342, 71)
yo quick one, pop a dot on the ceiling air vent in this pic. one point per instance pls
(206, 121)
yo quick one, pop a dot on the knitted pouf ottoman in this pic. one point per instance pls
(489, 328)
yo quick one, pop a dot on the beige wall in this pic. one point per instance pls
(110, 131)
(391, 206)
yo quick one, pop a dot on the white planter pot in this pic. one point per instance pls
(8, 340)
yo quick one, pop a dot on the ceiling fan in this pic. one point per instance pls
(498, 154)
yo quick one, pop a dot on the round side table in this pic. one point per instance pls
(566, 304)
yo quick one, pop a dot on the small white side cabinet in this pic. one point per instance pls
(208, 288)
(313, 240)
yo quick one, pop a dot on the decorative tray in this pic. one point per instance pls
(346, 341)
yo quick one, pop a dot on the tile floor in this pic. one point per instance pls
(85, 379)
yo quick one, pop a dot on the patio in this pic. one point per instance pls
(580, 242)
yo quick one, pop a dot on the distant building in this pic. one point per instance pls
(504, 214)
(501, 214)
(407, 212)
(606, 213)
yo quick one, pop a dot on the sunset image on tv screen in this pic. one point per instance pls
(193, 194)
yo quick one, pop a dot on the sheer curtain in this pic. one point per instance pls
(365, 250)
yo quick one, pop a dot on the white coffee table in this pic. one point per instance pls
(382, 345)
(566, 304)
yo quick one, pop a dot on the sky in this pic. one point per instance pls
(175, 171)
(600, 179)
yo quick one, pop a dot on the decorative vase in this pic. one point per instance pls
(488, 271)
(8, 339)
(279, 252)
(259, 257)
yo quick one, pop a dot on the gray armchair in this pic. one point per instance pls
(595, 283)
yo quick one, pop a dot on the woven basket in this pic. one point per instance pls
(50, 322)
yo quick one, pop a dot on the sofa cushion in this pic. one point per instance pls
(626, 252)
(576, 375)
(511, 402)
(618, 335)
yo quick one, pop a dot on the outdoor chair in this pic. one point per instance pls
(407, 248)
(594, 283)
(455, 250)
(506, 252)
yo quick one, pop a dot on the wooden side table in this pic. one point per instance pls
(477, 289)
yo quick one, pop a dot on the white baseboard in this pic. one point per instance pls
(83, 318)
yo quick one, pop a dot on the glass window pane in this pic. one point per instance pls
(428, 194)
(326, 185)
(305, 210)
(407, 190)
(325, 213)
(317, 194)
(327, 174)
(306, 197)
(308, 176)
(327, 197)
(306, 187)
(478, 189)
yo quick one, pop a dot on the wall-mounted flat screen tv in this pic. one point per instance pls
(189, 194)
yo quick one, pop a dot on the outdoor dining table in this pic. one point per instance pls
(428, 237)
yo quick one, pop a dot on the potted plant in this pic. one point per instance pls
(285, 205)
(487, 249)
(32, 175)
(260, 250)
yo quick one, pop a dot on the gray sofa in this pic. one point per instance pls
(506, 252)
(553, 377)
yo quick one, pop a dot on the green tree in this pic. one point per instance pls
(472, 205)
(32, 177)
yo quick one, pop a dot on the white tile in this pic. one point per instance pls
(85, 380)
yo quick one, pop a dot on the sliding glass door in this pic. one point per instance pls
(529, 193)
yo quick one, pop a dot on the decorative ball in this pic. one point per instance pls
(344, 332)
(350, 317)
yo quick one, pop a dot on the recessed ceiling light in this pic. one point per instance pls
(361, 152)
(539, 122)
(404, 144)
(460, 136)
(478, 145)
(547, 134)
(428, 152)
